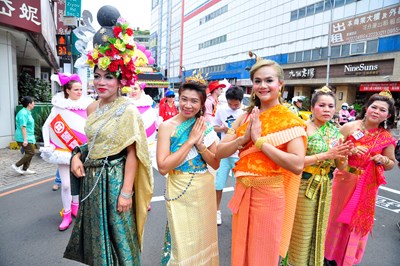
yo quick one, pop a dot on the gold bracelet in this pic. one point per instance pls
(231, 131)
(260, 142)
(316, 157)
(387, 160)
(199, 151)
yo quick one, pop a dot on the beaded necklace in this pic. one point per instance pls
(365, 131)
(118, 114)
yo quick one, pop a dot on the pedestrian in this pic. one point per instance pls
(296, 106)
(355, 188)
(215, 90)
(186, 144)
(224, 117)
(168, 109)
(62, 131)
(25, 136)
(112, 171)
(344, 114)
(325, 151)
(271, 141)
(57, 181)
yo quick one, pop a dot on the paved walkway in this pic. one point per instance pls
(9, 179)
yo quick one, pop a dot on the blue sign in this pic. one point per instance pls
(73, 8)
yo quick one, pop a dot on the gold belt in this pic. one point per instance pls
(354, 170)
(317, 170)
(261, 181)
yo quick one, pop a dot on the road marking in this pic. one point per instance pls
(390, 190)
(27, 186)
(161, 198)
(388, 204)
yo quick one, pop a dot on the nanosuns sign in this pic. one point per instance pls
(365, 69)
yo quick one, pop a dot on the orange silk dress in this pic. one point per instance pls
(265, 196)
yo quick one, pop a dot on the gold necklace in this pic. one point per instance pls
(365, 131)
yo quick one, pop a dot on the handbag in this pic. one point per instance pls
(397, 151)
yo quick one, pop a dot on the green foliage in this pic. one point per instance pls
(357, 107)
(39, 89)
(40, 118)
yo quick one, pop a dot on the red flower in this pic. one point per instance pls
(128, 46)
(113, 67)
(117, 30)
(129, 31)
(110, 53)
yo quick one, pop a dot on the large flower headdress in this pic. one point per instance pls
(115, 52)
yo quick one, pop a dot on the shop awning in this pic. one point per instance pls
(380, 86)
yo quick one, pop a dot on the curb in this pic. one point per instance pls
(32, 180)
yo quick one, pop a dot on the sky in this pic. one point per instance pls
(136, 12)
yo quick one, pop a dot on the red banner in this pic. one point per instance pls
(380, 86)
(24, 14)
(64, 133)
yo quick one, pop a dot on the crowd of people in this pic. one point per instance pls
(304, 193)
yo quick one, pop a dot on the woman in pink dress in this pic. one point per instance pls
(355, 188)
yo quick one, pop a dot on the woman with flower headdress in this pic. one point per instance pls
(325, 149)
(355, 187)
(62, 132)
(186, 144)
(112, 172)
(271, 141)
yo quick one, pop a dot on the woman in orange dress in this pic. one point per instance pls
(271, 142)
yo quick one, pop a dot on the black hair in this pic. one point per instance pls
(234, 93)
(377, 97)
(26, 100)
(320, 92)
(200, 88)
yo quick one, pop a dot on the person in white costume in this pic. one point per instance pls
(62, 131)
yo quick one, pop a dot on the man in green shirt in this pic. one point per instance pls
(25, 135)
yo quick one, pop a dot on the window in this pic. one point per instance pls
(328, 5)
(316, 54)
(291, 58)
(335, 51)
(319, 7)
(372, 46)
(302, 12)
(357, 48)
(310, 10)
(299, 56)
(293, 15)
(324, 53)
(339, 3)
(307, 55)
(345, 50)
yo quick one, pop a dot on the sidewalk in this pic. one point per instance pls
(9, 179)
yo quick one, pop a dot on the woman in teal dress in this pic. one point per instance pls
(113, 171)
(186, 144)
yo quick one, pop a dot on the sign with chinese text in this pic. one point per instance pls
(61, 29)
(24, 14)
(304, 73)
(73, 8)
(371, 25)
(380, 86)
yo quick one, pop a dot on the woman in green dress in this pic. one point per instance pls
(113, 171)
(325, 151)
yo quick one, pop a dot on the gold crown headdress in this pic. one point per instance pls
(324, 89)
(386, 93)
(197, 77)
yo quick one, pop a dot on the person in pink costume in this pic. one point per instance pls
(62, 131)
(355, 188)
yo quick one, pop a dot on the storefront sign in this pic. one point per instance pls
(380, 86)
(371, 25)
(305, 73)
(361, 69)
(24, 14)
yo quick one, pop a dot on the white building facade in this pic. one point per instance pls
(215, 36)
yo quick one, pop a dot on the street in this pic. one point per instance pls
(29, 221)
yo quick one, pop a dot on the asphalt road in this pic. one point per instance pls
(29, 220)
